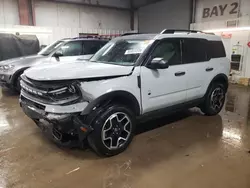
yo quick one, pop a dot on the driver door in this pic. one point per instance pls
(161, 88)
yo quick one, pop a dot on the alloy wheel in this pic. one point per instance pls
(116, 130)
(217, 99)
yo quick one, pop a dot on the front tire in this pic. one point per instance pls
(17, 84)
(113, 130)
(214, 99)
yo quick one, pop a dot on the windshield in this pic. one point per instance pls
(46, 51)
(121, 52)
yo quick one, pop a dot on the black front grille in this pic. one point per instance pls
(33, 91)
(43, 91)
(31, 103)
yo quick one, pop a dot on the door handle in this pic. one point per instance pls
(209, 69)
(179, 73)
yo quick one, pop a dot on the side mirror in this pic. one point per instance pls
(158, 63)
(58, 54)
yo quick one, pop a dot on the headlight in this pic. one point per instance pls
(6, 67)
(70, 89)
(67, 92)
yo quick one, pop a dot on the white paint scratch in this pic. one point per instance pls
(5, 150)
(73, 171)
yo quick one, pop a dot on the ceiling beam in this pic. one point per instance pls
(142, 3)
(116, 4)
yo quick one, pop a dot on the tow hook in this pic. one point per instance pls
(83, 129)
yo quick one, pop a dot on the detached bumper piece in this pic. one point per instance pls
(67, 130)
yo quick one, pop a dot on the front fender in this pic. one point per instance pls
(122, 86)
(111, 95)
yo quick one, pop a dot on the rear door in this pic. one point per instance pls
(196, 62)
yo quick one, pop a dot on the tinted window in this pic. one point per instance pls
(91, 47)
(73, 48)
(216, 49)
(194, 50)
(169, 50)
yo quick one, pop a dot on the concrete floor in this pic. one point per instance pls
(186, 150)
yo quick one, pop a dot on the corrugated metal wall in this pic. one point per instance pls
(47, 35)
(9, 12)
(55, 21)
(79, 16)
(165, 14)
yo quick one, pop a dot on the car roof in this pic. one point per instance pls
(84, 39)
(201, 35)
(137, 37)
(190, 35)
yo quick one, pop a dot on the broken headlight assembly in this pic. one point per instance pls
(66, 94)
(56, 93)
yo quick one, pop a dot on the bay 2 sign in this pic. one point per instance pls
(226, 11)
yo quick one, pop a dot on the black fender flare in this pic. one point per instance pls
(108, 97)
(217, 78)
(16, 74)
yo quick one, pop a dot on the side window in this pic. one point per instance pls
(73, 48)
(91, 47)
(194, 50)
(216, 49)
(169, 50)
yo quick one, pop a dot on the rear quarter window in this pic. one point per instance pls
(194, 50)
(216, 49)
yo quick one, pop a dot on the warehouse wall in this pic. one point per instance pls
(221, 10)
(165, 14)
(9, 12)
(216, 14)
(80, 16)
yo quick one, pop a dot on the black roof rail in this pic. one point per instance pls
(90, 37)
(172, 31)
(126, 34)
(87, 36)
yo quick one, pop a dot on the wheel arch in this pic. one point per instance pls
(122, 97)
(222, 78)
(16, 74)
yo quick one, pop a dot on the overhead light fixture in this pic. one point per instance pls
(227, 29)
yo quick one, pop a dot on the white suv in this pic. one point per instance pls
(131, 77)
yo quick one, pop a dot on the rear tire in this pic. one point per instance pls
(214, 99)
(113, 130)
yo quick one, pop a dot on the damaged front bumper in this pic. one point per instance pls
(63, 124)
(5, 80)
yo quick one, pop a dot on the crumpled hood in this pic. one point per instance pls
(76, 70)
(19, 60)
